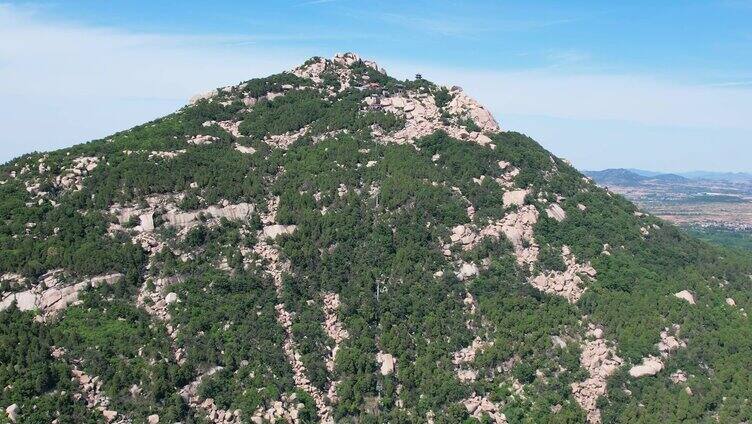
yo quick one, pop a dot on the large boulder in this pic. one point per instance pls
(650, 366)
(686, 295)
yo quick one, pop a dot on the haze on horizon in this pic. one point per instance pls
(658, 87)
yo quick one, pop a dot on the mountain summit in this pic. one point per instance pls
(331, 244)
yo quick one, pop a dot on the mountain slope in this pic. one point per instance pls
(332, 244)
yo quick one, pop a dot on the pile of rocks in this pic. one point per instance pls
(517, 226)
(600, 360)
(567, 283)
(213, 413)
(287, 410)
(670, 342)
(73, 177)
(480, 406)
(423, 117)
(92, 394)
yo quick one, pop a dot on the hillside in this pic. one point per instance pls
(331, 244)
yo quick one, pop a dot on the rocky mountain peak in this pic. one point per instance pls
(332, 244)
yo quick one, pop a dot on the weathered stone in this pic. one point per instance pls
(650, 366)
(12, 412)
(686, 295)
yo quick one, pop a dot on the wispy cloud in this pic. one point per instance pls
(64, 83)
(454, 26)
(743, 83)
(315, 2)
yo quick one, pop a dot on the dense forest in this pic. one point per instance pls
(335, 245)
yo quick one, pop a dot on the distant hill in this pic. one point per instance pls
(694, 175)
(620, 177)
(719, 176)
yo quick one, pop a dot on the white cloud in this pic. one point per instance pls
(62, 84)
(629, 98)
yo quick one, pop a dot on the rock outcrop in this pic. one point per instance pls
(480, 406)
(650, 366)
(567, 283)
(600, 360)
(53, 294)
(686, 295)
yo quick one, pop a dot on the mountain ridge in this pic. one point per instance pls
(332, 244)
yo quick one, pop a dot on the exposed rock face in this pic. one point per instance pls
(276, 230)
(567, 283)
(202, 139)
(203, 96)
(57, 296)
(686, 295)
(515, 197)
(239, 212)
(518, 228)
(245, 149)
(600, 360)
(555, 211)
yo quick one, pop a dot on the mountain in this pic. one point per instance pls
(628, 177)
(331, 244)
(618, 177)
(695, 175)
(719, 176)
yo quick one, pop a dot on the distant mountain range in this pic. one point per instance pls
(631, 176)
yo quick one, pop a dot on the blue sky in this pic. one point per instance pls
(664, 86)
